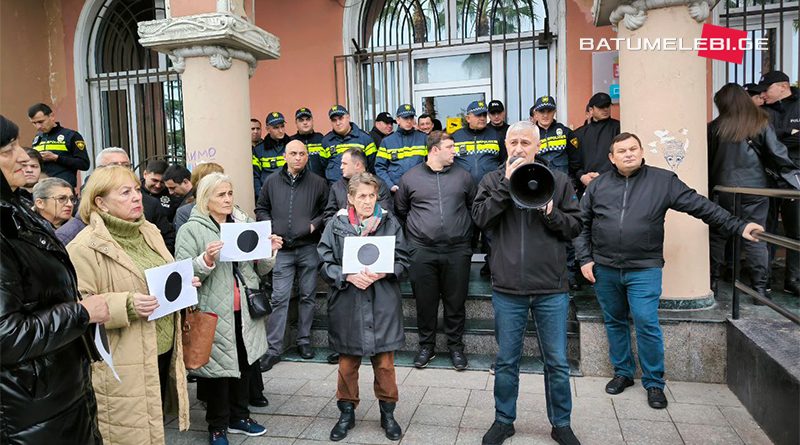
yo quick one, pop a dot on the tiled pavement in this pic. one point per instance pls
(440, 407)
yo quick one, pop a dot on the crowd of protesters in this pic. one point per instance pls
(74, 257)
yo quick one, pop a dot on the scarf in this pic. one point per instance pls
(366, 226)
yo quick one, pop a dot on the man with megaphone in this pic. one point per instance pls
(532, 214)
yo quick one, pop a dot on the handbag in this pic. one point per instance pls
(257, 299)
(198, 337)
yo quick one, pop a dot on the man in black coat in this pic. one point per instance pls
(621, 251)
(354, 161)
(434, 200)
(594, 138)
(529, 275)
(294, 200)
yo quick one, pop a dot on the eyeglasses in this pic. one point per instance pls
(117, 164)
(63, 199)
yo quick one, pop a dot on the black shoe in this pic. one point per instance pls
(656, 398)
(485, 270)
(765, 294)
(564, 436)
(389, 425)
(498, 433)
(333, 358)
(618, 384)
(425, 355)
(191, 379)
(492, 368)
(792, 287)
(306, 351)
(459, 360)
(268, 361)
(259, 401)
(346, 422)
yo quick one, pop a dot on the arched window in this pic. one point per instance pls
(135, 98)
(442, 54)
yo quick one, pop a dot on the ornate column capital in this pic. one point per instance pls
(633, 14)
(220, 36)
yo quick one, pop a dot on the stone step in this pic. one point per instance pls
(477, 362)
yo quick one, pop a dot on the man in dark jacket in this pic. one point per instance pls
(294, 200)
(782, 103)
(384, 126)
(497, 120)
(269, 153)
(594, 138)
(434, 199)
(529, 274)
(46, 394)
(63, 150)
(313, 140)
(401, 150)
(621, 250)
(354, 161)
(343, 136)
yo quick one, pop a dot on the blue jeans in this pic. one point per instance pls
(549, 313)
(637, 291)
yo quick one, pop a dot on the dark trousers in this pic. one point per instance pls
(163, 373)
(752, 209)
(301, 262)
(226, 398)
(385, 384)
(789, 211)
(441, 274)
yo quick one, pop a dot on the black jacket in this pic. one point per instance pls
(293, 204)
(70, 147)
(785, 117)
(738, 164)
(377, 136)
(501, 138)
(435, 206)
(316, 159)
(337, 198)
(594, 144)
(529, 249)
(363, 322)
(46, 394)
(623, 218)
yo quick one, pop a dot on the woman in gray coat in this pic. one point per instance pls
(364, 310)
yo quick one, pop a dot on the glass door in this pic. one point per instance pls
(449, 105)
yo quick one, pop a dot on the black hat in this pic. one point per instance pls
(772, 77)
(302, 112)
(544, 103)
(275, 118)
(8, 131)
(496, 106)
(384, 117)
(600, 100)
(753, 88)
(337, 110)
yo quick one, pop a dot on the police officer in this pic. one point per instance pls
(557, 143)
(497, 120)
(384, 126)
(63, 150)
(595, 137)
(313, 140)
(269, 153)
(343, 136)
(401, 150)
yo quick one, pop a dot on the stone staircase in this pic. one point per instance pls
(479, 341)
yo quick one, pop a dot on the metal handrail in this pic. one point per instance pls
(770, 238)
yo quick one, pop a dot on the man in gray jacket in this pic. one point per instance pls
(434, 200)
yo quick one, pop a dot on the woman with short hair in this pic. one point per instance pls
(54, 201)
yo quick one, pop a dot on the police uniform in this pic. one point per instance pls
(334, 145)
(477, 151)
(268, 155)
(70, 147)
(400, 151)
(558, 145)
(313, 140)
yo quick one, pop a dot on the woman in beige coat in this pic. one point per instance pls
(110, 256)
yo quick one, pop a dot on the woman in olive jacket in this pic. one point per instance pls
(365, 312)
(46, 394)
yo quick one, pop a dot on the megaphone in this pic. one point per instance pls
(532, 185)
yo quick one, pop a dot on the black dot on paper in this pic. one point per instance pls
(368, 254)
(104, 339)
(172, 287)
(247, 241)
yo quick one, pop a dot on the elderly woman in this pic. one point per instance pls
(240, 339)
(46, 394)
(364, 309)
(54, 201)
(110, 256)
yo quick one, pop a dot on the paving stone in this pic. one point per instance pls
(438, 415)
(481, 399)
(301, 370)
(197, 420)
(703, 394)
(638, 409)
(593, 407)
(446, 396)
(275, 402)
(477, 418)
(286, 386)
(303, 406)
(283, 426)
(175, 437)
(708, 434)
(596, 387)
(696, 414)
(446, 378)
(318, 388)
(265, 440)
(744, 424)
(597, 431)
(319, 429)
(418, 434)
(645, 431)
(369, 433)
